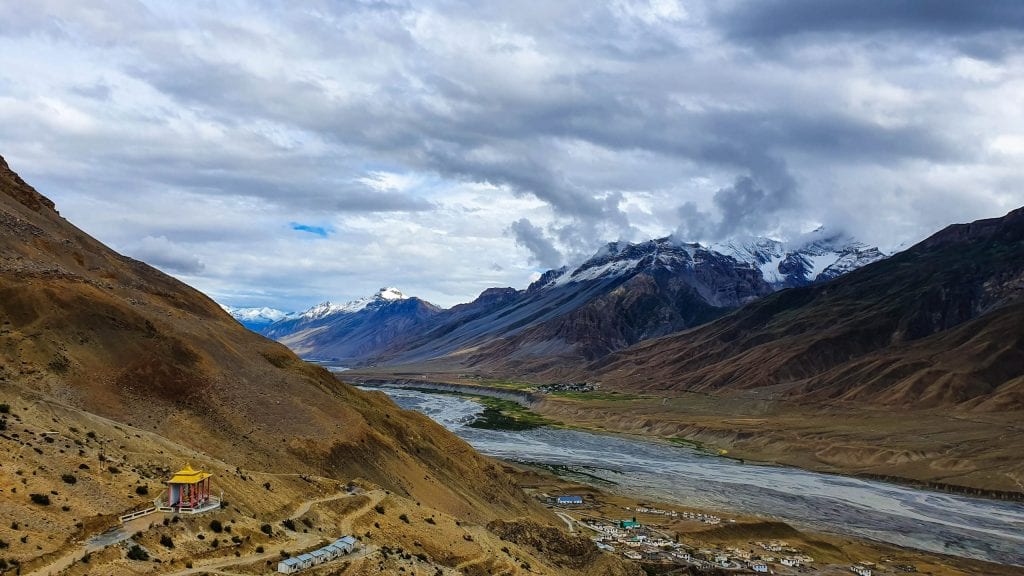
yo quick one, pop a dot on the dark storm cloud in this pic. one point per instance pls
(542, 251)
(743, 207)
(769, 20)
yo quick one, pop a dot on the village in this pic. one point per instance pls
(654, 543)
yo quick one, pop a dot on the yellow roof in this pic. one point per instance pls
(188, 476)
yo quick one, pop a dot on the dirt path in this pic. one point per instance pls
(98, 542)
(297, 540)
(569, 521)
(305, 506)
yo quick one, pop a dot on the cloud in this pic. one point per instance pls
(743, 208)
(772, 20)
(160, 252)
(314, 230)
(451, 136)
(542, 250)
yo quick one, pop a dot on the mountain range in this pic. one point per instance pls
(625, 293)
(939, 324)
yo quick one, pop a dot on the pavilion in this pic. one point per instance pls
(189, 491)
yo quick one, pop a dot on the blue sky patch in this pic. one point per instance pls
(320, 231)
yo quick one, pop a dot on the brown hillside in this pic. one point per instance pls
(85, 326)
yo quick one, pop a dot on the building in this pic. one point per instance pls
(188, 491)
(569, 500)
(860, 570)
(760, 567)
(347, 544)
(322, 555)
(629, 524)
(288, 566)
(794, 562)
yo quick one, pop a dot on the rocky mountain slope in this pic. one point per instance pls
(355, 330)
(88, 336)
(940, 324)
(815, 257)
(624, 294)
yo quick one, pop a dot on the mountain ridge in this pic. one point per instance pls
(935, 325)
(685, 284)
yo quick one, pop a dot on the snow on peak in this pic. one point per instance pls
(386, 294)
(817, 255)
(390, 293)
(256, 315)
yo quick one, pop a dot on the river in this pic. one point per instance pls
(958, 525)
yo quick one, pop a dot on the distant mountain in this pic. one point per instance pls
(354, 330)
(623, 294)
(256, 319)
(815, 257)
(939, 324)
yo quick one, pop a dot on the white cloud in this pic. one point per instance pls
(195, 136)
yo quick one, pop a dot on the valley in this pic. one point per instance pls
(973, 454)
(680, 475)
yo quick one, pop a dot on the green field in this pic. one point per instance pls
(501, 414)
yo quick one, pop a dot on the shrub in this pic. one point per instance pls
(90, 434)
(166, 541)
(266, 529)
(68, 478)
(289, 524)
(41, 499)
(216, 526)
(5, 408)
(83, 466)
(137, 553)
(259, 549)
(142, 490)
(114, 470)
(430, 521)
(379, 508)
(403, 518)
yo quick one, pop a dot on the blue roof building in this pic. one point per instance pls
(570, 499)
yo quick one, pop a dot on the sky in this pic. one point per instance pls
(285, 153)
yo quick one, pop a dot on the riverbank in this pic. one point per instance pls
(901, 516)
(705, 535)
(974, 456)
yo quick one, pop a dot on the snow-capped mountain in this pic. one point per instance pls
(324, 309)
(256, 318)
(625, 293)
(815, 257)
(357, 328)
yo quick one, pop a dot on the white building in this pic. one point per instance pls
(759, 567)
(288, 566)
(861, 570)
